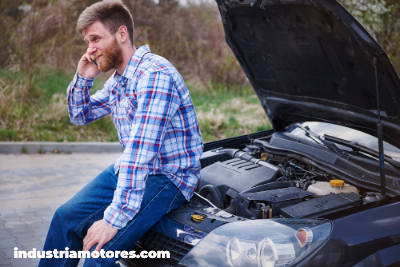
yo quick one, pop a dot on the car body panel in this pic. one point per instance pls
(375, 226)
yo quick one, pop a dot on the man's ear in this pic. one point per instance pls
(122, 34)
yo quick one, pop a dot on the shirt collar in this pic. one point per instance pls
(132, 65)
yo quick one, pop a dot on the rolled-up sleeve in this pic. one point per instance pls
(157, 102)
(84, 108)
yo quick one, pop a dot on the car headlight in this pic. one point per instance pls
(259, 243)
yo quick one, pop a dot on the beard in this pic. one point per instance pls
(111, 57)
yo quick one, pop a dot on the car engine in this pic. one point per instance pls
(254, 184)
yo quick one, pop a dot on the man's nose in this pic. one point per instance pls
(91, 50)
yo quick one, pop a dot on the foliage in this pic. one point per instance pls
(382, 19)
(40, 113)
(42, 32)
(225, 113)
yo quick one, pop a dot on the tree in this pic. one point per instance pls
(382, 19)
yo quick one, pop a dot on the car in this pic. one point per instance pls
(322, 188)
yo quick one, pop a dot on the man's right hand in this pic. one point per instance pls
(86, 68)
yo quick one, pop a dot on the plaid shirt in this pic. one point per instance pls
(156, 123)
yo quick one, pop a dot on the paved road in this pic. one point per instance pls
(31, 189)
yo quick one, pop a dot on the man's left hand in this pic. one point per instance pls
(100, 232)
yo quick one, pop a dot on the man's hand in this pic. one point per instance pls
(86, 68)
(100, 232)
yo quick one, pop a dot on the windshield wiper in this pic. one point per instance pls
(331, 146)
(357, 147)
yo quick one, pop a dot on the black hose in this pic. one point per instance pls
(281, 178)
(306, 185)
(230, 151)
(295, 174)
(237, 153)
(215, 194)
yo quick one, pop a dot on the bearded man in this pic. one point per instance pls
(157, 127)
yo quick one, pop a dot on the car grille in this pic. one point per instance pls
(159, 242)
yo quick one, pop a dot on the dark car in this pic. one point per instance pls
(320, 189)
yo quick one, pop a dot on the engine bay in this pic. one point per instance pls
(273, 175)
(256, 182)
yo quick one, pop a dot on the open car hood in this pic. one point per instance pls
(311, 60)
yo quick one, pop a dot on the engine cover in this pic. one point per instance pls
(322, 205)
(275, 198)
(235, 175)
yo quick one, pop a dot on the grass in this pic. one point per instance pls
(39, 112)
(226, 113)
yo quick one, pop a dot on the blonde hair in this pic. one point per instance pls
(111, 13)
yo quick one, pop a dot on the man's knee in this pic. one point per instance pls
(63, 214)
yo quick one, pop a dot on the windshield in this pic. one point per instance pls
(345, 133)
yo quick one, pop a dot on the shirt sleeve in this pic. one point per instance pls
(157, 102)
(83, 108)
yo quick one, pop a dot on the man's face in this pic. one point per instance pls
(103, 47)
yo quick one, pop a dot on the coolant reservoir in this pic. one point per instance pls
(333, 186)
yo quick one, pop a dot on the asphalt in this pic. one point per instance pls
(32, 187)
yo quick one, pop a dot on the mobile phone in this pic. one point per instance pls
(95, 63)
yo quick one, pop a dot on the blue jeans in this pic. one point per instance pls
(72, 220)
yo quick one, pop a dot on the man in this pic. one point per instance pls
(157, 126)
